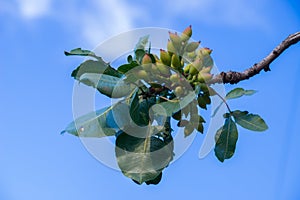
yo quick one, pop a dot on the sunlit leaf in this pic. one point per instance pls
(143, 41)
(97, 67)
(226, 138)
(79, 52)
(249, 121)
(143, 159)
(91, 125)
(127, 67)
(110, 86)
(239, 92)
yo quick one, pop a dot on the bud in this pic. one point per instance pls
(186, 34)
(175, 62)
(165, 57)
(192, 46)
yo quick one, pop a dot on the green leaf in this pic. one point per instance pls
(139, 54)
(142, 42)
(91, 125)
(139, 109)
(143, 159)
(239, 92)
(217, 109)
(226, 138)
(110, 86)
(97, 67)
(249, 121)
(127, 67)
(79, 52)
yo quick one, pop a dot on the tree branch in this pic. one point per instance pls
(233, 77)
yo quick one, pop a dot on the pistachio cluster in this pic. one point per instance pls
(183, 65)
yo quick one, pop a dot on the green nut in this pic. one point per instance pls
(175, 62)
(163, 69)
(186, 34)
(170, 47)
(176, 40)
(187, 68)
(178, 91)
(193, 70)
(192, 46)
(165, 57)
(146, 59)
(141, 74)
(175, 78)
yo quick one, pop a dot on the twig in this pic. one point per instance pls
(233, 77)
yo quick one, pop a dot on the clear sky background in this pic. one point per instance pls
(36, 162)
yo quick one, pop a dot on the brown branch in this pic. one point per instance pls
(233, 77)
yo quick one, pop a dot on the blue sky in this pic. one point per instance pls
(36, 162)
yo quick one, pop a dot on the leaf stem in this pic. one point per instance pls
(224, 100)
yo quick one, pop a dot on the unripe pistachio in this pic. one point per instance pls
(198, 64)
(187, 68)
(193, 71)
(204, 51)
(200, 78)
(186, 34)
(146, 59)
(206, 69)
(141, 74)
(174, 78)
(165, 57)
(163, 69)
(170, 47)
(176, 40)
(175, 62)
(147, 67)
(178, 91)
(206, 76)
(192, 46)
(191, 55)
